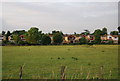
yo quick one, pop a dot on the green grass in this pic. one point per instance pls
(44, 62)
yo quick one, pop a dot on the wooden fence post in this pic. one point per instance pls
(21, 71)
(21, 68)
(63, 68)
(101, 73)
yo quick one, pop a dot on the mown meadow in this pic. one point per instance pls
(44, 62)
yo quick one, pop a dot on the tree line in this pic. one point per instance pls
(32, 37)
(35, 37)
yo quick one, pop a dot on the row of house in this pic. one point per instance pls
(76, 39)
(72, 38)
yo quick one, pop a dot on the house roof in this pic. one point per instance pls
(22, 36)
(71, 36)
(114, 35)
(110, 35)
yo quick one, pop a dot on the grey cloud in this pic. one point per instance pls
(60, 0)
(66, 16)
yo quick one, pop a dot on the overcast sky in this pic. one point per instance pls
(68, 17)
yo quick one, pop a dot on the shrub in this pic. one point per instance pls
(21, 43)
(83, 41)
(110, 41)
(57, 38)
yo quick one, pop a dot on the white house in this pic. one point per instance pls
(113, 37)
(1, 38)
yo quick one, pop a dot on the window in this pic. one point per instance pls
(110, 37)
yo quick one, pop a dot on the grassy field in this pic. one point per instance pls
(44, 62)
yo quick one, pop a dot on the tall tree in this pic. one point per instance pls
(3, 32)
(83, 40)
(45, 40)
(119, 29)
(54, 32)
(57, 38)
(19, 32)
(75, 33)
(114, 33)
(86, 32)
(104, 31)
(32, 36)
(40, 35)
(7, 35)
(16, 38)
(97, 34)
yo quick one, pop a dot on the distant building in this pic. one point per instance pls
(22, 37)
(106, 38)
(51, 37)
(65, 39)
(90, 38)
(10, 38)
(1, 38)
(71, 38)
(113, 37)
(77, 39)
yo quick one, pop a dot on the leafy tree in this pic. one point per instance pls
(87, 32)
(19, 32)
(110, 42)
(114, 33)
(40, 35)
(57, 38)
(75, 33)
(119, 29)
(97, 34)
(104, 31)
(54, 32)
(32, 36)
(3, 32)
(22, 42)
(83, 40)
(7, 35)
(45, 40)
(16, 38)
(98, 31)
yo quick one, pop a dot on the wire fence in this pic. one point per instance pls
(61, 73)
